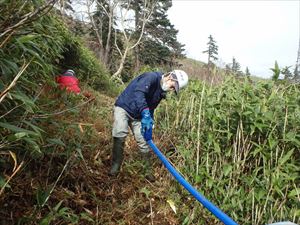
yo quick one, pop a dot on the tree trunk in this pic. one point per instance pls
(117, 74)
(137, 49)
(127, 45)
(108, 40)
(297, 68)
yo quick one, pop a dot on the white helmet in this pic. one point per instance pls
(181, 77)
(69, 73)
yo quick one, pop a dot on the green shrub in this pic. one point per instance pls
(239, 143)
(38, 51)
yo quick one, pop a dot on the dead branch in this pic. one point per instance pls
(149, 8)
(13, 83)
(98, 35)
(63, 111)
(29, 17)
(11, 176)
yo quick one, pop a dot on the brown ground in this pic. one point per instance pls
(84, 187)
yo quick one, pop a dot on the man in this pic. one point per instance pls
(135, 108)
(69, 82)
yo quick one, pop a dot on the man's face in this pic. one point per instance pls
(169, 82)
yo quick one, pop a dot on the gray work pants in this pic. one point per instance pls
(120, 128)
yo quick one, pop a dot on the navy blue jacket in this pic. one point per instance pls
(143, 92)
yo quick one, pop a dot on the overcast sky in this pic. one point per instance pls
(256, 33)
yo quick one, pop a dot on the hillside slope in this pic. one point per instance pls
(74, 176)
(237, 142)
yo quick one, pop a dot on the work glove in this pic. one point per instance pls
(152, 113)
(147, 123)
(152, 116)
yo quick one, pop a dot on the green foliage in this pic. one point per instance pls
(158, 44)
(148, 68)
(38, 50)
(36, 47)
(163, 47)
(57, 213)
(239, 144)
(276, 71)
(91, 70)
(35, 53)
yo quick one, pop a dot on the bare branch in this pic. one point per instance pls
(63, 111)
(13, 83)
(145, 20)
(89, 4)
(6, 39)
(117, 46)
(11, 176)
(146, 14)
(29, 17)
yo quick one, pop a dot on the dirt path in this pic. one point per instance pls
(130, 198)
(85, 189)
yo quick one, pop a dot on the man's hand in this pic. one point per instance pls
(147, 123)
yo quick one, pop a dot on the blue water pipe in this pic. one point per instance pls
(206, 203)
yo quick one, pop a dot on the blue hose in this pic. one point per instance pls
(207, 204)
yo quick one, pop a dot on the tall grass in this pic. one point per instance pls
(238, 143)
(30, 57)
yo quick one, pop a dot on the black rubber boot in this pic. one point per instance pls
(147, 162)
(117, 156)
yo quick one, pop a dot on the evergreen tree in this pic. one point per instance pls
(297, 67)
(296, 74)
(212, 50)
(236, 67)
(160, 44)
(247, 72)
(287, 73)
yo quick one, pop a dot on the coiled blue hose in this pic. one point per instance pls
(207, 204)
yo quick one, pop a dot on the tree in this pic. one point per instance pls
(99, 17)
(236, 67)
(296, 73)
(159, 44)
(212, 50)
(247, 72)
(103, 21)
(297, 67)
(287, 73)
(65, 5)
(128, 33)
(129, 43)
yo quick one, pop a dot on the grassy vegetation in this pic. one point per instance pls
(55, 147)
(238, 143)
(43, 131)
(200, 71)
(30, 59)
